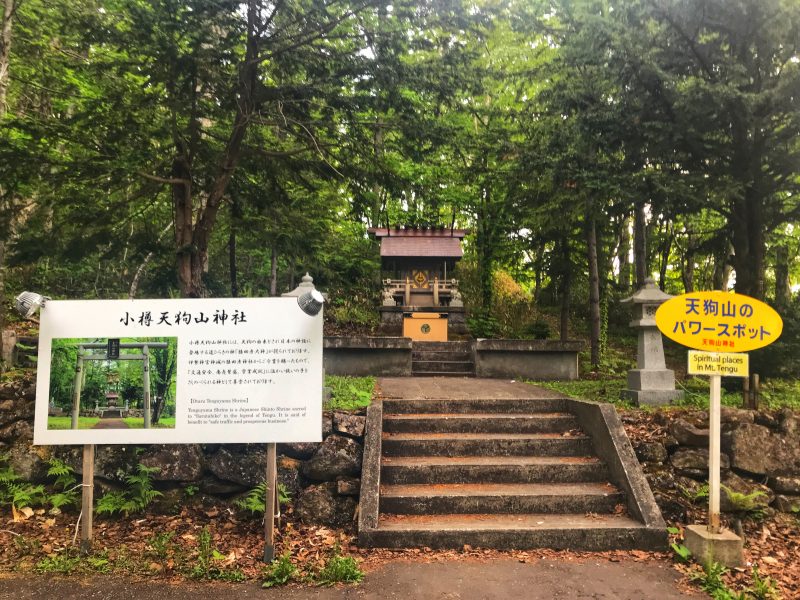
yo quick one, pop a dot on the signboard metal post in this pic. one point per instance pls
(269, 507)
(87, 498)
(713, 454)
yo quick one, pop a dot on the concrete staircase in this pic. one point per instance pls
(493, 472)
(442, 359)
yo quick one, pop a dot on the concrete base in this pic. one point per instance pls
(652, 397)
(724, 547)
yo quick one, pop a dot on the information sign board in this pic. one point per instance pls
(219, 370)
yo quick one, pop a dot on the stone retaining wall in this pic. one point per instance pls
(527, 359)
(322, 478)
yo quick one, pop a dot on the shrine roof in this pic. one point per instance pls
(421, 242)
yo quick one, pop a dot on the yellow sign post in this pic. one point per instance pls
(723, 326)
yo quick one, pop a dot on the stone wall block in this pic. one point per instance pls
(349, 424)
(175, 462)
(247, 468)
(336, 456)
(320, 504)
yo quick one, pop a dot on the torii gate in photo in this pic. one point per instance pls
(104, 356)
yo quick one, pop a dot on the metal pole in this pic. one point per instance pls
(269, 506)
(87, 499)
(146, 378)
(76, 391)
(713, 455)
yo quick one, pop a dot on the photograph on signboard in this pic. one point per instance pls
(108, 383)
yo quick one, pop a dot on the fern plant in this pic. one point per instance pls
(16, 493)
(66, 490)
(138, 495)
(256, 499)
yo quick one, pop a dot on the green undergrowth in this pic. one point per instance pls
(349, 393)
(593, 390)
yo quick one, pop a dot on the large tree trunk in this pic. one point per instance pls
(594, 291)
(273, 272)
(193, 237)
(565, 288)
(640, 244)
(9, 7)
(748, 245)
(783, 289)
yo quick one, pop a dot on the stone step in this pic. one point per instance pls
(465, 356)
(479, 422)
(474, 405)
(485, 444)
(490, 469)
(499, 498)
(440, 374)
(513, 532)
(442, 366)
(441, 346)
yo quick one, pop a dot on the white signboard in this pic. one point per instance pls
(210, 370)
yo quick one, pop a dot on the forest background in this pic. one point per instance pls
(225, 147)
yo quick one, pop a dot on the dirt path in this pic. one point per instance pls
(502, 579)
(111, 424)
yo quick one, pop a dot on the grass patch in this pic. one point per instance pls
(593, 390)
(349, 393)
(775, 393)
(66, 422)
(138, 423)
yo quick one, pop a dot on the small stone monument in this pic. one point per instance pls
(650, 382)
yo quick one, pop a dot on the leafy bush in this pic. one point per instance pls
(65, 484)
(208, 557)
(280, 571)
(349, 393)
(340, 569)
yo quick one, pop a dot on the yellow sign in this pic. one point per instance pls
(719, 321)
(729, 364)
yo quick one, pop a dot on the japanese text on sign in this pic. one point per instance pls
(719, 321)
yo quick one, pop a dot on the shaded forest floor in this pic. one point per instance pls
(210, 540)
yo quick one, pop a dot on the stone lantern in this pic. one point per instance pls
(650, 382)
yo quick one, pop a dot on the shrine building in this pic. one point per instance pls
(420, 297)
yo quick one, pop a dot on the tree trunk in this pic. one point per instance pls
(193, 236)
(273, 272)
(722, 270)
(232, 263)
(783, 290)
(594, 291)
(748, 247)
(5, 51)
(538, 265)
(640, 244)
(687, 272)
(565, 287)
(623, 255)
(666, 249)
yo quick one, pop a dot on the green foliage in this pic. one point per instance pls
(190, 490)
(208, 559)
(695, 495)
(347, 312)
(762, 588)
(594, 390)
(161, 544)
(339, 569)
(67, 493)
(279, 572)
(18, 494)
(138, 495)
(681, 552)
(482, 324)
(63, 563)
(256, 499)
(746, 503)
(349, 393)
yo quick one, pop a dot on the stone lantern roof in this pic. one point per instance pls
(648, 294)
